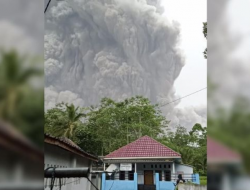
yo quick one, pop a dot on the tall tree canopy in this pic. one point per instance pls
(21, 102)
(114, 124)
(191, 145)
(119, 123)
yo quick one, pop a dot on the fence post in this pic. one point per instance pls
(103, 181)
(135, 181)
(157, 181)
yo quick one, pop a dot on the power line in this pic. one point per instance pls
(47, 6)
(183, 97)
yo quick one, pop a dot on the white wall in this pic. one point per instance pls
(19, 171)
(191, 187)
(183, 168)
(58, 157)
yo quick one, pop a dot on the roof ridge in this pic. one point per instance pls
(145, 142)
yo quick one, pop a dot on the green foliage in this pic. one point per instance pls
(232, 128)
(124, 122)
(191, 145)
(21, 103)
(68, 121)
(205, 35)
(112, 124)
(63, 120)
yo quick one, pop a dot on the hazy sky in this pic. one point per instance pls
(190, 15)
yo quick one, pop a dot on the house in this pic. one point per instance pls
(64, 153)
(224, 166)
(144, 164)
(21, 163)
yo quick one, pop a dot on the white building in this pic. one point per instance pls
(21, 165)
(144, 164)
(63, 153)
(224, 166)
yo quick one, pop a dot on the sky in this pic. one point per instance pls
(193, 77)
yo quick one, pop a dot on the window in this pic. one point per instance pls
(155, 165)
(144, 166)
(160, 174)
(110, 177)
(160, 165)
(152, 166)
(167, 175)
(164, 166)
(131, 173)
(122, 175)
(169, 166)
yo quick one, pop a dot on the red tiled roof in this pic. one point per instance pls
(216, 152)
(144, 147)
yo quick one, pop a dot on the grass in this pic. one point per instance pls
(203, 180)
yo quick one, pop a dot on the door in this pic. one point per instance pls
(148, 177)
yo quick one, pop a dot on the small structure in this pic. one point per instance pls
(21, 162)
(224, 165)
(144, 164)
(64, 153)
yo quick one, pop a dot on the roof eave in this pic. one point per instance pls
(63, 145)
(138, 158)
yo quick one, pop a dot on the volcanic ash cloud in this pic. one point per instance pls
(110, 48)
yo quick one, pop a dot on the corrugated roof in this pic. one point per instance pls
(69, 145)
(144, 147)
(12, 140)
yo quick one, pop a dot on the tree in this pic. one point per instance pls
(198, 135)
(14, 77)
(21, 102)
(108, 126)
(191, 145)
(73, 118)
(63, 120)
(118, 123)
(231, 127)
(205, 35)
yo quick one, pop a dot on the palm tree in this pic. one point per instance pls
(73, 118)
(14, 76)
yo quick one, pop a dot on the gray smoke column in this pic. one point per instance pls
(109, 48)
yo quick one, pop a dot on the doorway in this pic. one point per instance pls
(148, 177)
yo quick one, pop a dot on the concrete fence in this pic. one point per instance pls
(191, 187)
(119, 184)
